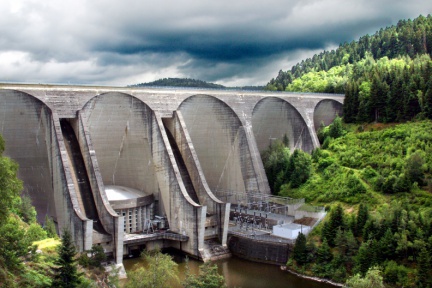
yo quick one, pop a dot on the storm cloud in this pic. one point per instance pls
(236, 42)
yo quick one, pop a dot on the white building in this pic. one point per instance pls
(290, 230)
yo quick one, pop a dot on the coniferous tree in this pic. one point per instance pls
(336, 130)
(324, 254)
(341, 242)
(363, 258)
(387, 246)
(362, 217)
(424, 269)
(66, 273)
(300, 253)
(299, 168)
(428, 100)
(336, 221)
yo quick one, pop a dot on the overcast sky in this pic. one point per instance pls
(229, 42)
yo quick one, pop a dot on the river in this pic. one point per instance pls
(242, 273)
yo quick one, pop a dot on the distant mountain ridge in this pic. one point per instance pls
(191, 83)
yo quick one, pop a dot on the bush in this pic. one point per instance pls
(354, 185)
(395, 274)
(35, 232)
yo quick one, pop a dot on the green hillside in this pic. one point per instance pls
(386, 77)
(407, 38)
(376, 182)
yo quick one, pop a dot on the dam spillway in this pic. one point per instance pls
(188, 148)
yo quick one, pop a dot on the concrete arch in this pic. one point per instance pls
(326, 111)
(219, 140)
(273, 117)
(26, 126)
(120, 126)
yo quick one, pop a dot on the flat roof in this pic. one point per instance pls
(116, 193)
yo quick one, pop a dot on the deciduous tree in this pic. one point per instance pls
(208, 277)
(161, 272)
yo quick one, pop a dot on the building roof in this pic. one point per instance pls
(116, 193)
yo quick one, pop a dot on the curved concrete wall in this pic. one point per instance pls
(326, 111)
(25, 123)
(218, 137)
(124, 142)
(273, 117)
(120, 129)
(132, 150)
(33, 139)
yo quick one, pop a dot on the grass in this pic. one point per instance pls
(48, 245)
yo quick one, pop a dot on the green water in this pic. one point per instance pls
(242, 273)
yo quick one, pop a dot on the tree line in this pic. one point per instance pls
(386, 77)
(408, 37)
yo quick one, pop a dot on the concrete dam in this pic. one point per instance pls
(114, 164)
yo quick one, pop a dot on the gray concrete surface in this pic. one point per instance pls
(123, 140)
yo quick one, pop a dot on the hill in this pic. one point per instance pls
(376, 182)
(180, 82)
(386, 77)
(407, 38)
(192, 83)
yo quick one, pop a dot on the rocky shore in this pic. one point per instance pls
(317, 279)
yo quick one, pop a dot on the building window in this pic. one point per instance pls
(124, 220)
(130, 220)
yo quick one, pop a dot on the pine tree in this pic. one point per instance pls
(341, 242)
(300, 253)
(424, 269)
(428, 101)
(336, 222)
(352, 244)
(362, 217)
(66, 274)
(363, 258)
(324, 254)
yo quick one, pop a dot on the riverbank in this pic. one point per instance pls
(316, 279)
(240, 273)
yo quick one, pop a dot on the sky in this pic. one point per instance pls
(229, 42)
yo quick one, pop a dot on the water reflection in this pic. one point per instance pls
(241, 273)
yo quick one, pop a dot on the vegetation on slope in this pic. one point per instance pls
(408, 38)
(181, 82)
(376, 182)
(32, 256)
(385, 77)
(192, 83)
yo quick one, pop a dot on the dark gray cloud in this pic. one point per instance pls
(236, 42)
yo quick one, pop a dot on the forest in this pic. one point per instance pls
(375, 181)
(373, 171)
(408, 38)
(385, 77)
